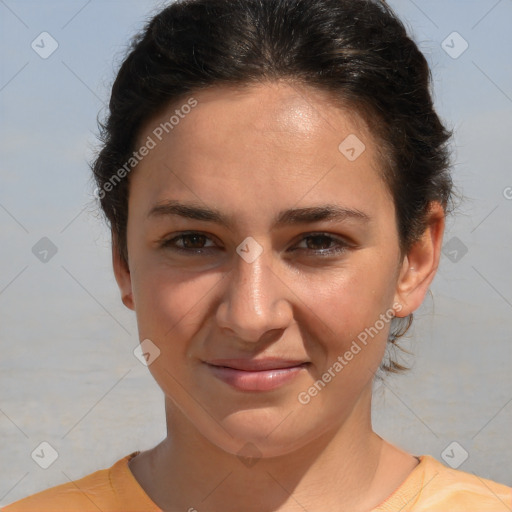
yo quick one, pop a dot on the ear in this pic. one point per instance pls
(420, 264)
(122, 274)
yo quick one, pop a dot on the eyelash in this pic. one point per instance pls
(342, 245)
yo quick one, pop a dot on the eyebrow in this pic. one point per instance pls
(290, 217)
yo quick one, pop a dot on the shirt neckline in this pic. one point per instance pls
(124, 483)
(409, 490)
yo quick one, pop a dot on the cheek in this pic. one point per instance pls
(351, 299)
(171, 308)
(171, 304)
(355, 305)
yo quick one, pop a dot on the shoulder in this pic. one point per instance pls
(71, 496)
(444, 488)
(101, 490)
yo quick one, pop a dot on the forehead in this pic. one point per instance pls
(275, 109)
(271, 107)
(262, 141)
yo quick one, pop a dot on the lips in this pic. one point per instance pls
(256, 374)
(254, 365)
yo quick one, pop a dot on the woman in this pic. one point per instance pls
(276, 181)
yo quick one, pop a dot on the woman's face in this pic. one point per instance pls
(262, 247)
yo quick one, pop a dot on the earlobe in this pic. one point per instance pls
(122, 275)
(420, 264)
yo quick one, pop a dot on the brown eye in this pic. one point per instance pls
(322, 244)
(193, 241)
(319, 242)
(188, 242)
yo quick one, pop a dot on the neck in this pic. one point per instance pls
(340, 470)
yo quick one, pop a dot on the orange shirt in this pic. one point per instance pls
(431, 486)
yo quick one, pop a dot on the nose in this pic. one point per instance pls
(255, 299)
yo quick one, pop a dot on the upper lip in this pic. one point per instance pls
(270, 363)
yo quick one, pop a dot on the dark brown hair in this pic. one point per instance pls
(358, 50)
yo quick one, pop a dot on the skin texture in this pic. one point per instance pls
(251, 153)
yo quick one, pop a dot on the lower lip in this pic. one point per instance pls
(264, 380)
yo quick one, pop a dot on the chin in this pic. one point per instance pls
(257, 434)
(256, 447)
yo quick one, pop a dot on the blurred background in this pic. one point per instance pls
(68, 374)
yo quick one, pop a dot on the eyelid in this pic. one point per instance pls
(167, 240)
(341, 244)
(339, 238)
